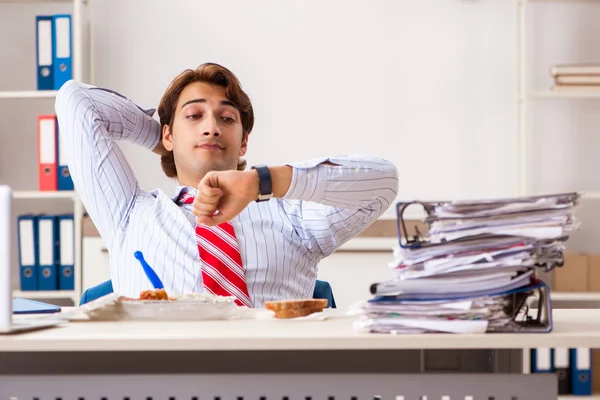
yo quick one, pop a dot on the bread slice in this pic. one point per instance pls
(295, 304)
(154, 294)
(295, 313)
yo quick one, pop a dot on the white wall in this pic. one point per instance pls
(427, 84)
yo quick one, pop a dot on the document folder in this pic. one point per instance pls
(65, 182)
(66, 228)
(47, 153)
(47, 252)
(541, 360)
(418, 237)
(44, 53)
(581, 378)
(561, 367)
(62, 57)
(28, 251)
(523, 317)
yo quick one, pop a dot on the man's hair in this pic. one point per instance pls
(214, 74)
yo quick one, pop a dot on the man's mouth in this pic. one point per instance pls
(207, 146)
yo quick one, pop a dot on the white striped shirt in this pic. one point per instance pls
(281, 241)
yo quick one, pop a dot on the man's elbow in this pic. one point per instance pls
(390, 192)
(64, 96)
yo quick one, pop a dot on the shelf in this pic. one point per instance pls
(549, 94)
(36, 1)
(591, 195)
(370, 244)
(558, 1)
(42, 294)
(575, 296)
(33, 194)
(28, 94)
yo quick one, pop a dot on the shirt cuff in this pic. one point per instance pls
(307, 180)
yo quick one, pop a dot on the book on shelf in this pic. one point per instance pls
(575, 69)
(576, 77)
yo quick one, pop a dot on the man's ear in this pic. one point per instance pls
(167, 138)
(244, 147)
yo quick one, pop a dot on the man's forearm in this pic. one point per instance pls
(108, 107)
(281, 178)
(90, 120)
(354, 182)
(160, 149)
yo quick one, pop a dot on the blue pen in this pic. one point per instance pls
(154, 279)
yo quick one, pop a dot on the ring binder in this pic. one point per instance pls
(471, 266)
(521, 303)
(528, 205)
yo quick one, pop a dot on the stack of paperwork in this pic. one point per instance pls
(476, 261)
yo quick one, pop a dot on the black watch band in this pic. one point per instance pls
(265, 186)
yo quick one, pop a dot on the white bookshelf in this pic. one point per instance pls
(48, 295)
(560, 1)
(574, 94)
(575, 296)
(28, 94)
(81, 50)
(35, 1)
(525, 95)
(33, 195)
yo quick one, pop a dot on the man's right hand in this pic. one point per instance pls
(160, 149)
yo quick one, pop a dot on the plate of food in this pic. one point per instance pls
(156, 305)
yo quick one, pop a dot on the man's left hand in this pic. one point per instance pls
(227, 192)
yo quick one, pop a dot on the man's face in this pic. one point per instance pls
(206, 133)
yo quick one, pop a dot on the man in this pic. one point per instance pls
(257, 234)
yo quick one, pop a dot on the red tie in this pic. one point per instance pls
(222, 270)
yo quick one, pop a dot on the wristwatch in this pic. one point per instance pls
(265, 186)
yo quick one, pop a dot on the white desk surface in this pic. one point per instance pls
(572, 328)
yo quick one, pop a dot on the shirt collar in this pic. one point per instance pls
(190, 189)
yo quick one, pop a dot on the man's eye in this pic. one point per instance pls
(194, 116)
(229, 120)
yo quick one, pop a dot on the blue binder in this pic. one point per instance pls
(561, 364)
(44, 52)
(64, 175)
(28, 255)
(581, 377)
(47, 253)
(542, 360)
(63, 49)
(66, 227)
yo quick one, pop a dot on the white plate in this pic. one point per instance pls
(189, 308)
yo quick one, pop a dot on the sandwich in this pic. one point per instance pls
(285, 309)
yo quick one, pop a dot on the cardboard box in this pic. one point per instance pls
(594, 273)
(574, 275)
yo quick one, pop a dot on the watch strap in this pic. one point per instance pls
(265, 186)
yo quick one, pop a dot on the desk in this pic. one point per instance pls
(274, 359)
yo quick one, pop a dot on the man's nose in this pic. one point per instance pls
(212, 127)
